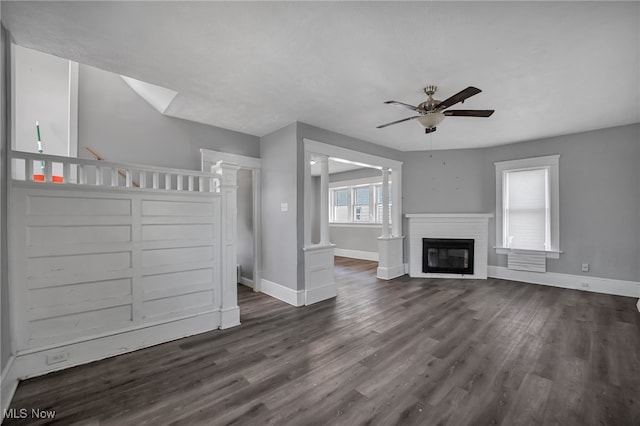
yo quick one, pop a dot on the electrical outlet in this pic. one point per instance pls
(585, 267)
(57, 357)
(585, 285)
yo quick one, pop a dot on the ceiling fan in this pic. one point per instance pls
(433, 111)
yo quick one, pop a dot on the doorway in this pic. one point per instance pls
(249, 213)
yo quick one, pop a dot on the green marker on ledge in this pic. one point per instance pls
(40, 150)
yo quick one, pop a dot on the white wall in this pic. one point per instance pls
(41, 93)
(5, 341)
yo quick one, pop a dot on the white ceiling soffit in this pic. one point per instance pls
(334, 167)
(547, 68)
(159, 97)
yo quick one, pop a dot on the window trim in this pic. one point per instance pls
(551, 163)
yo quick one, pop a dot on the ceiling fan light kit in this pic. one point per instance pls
(433, 111)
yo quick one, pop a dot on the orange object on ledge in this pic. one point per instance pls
(55, 179)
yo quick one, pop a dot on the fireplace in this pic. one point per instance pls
(447, 255)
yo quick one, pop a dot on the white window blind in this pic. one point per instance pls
(526, 209)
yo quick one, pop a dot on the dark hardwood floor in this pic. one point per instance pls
(407, 351)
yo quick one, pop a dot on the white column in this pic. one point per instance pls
(385, 202)
(396, 205)
(229, 311)
(324, 200)
(307, 199)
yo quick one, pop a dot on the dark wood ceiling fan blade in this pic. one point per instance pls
(428, 130)
(399, 121)
(458, 97)
(469, 112)
(402, 104)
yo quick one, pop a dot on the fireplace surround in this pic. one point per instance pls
(466, 226)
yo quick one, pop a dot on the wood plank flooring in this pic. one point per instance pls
(407, 351)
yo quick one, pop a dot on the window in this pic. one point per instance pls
(379, 203)
(356, 202)
(341, 205)
(527, 204)
(361, 204)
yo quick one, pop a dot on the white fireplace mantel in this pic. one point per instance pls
(448, 225)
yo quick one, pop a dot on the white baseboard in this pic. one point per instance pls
(32, 362)
(246, 282)
(594, 284)
(390, 272)
(8, 386)
(280, 292)
(319, 294)
(356, 254)
(229, 317)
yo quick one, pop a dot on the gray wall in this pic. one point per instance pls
(355, 237)
(5, 326)
(444, 182)
(281, 254)
(123, 127)
(245, 223)
(599, 199)
(599, 195)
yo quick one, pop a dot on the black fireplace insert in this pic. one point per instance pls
(447, 255)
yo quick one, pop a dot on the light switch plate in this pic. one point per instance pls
(284, 207)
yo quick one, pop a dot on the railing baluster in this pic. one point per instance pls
(29, 172)
(47, 170)
(99, 175)
(103, 173)
(82, 178)
(66, 172)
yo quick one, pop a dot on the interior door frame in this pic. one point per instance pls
(209, 158)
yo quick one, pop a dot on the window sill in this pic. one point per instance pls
(551, 254)
(355, 225)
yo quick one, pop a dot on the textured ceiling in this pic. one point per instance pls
(547, 68)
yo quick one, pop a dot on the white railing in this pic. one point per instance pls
(34, 167)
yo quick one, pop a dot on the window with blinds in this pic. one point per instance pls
(528, 206)
(526, 210)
